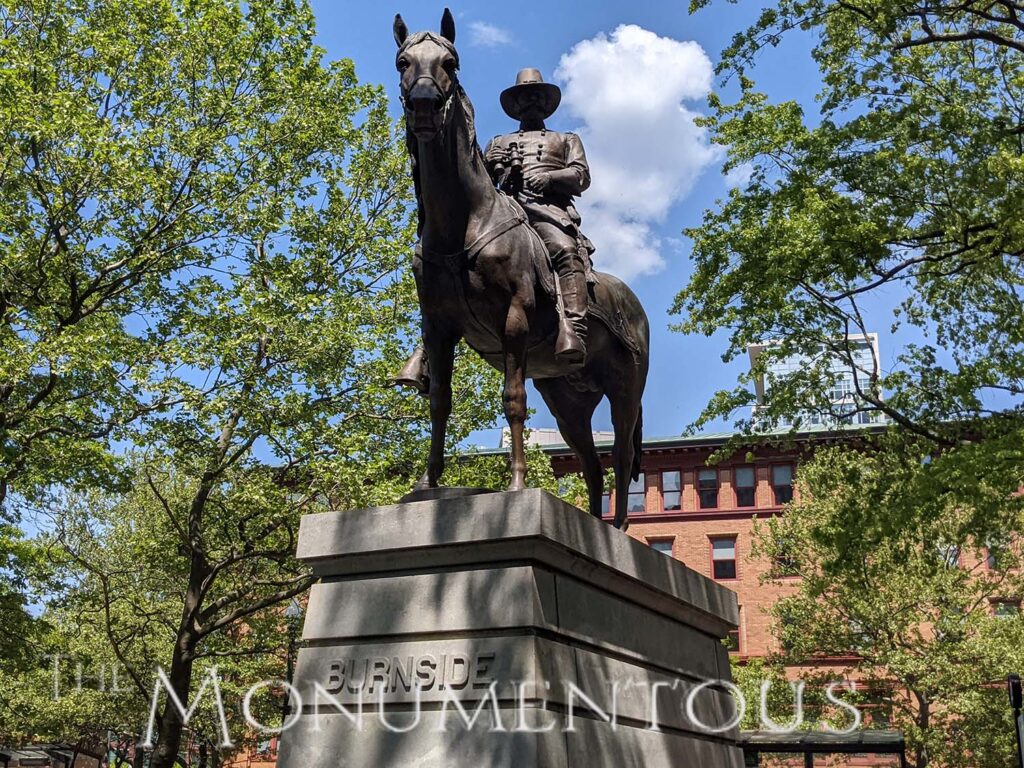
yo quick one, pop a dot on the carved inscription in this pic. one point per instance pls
(383, 674)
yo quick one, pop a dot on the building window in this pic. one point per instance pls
(732, 640)
(841, 389)
(846, 413)
(707, 488)
(661, 545)
(723, 557)
(745, 484)
(881, 719)
(860, 638)
(782, 483)
(671, 496)
(784, 562)
(637, 495)
(606, 503)
(949, 554)
(1006, 609)
(994, 554)
(788, 627)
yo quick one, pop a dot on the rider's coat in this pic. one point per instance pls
(547, 150)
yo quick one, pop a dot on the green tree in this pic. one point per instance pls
(493, 471)
(903, 193)
(206, 228)
(904, 190)
(23, 572)
(896, 202)
(915, 611)
(135, 137)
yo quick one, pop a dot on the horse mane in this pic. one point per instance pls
(469, 114)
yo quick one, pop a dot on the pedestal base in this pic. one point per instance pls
(505, 629)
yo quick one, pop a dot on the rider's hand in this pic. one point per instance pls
(496, 155)
(537, 181)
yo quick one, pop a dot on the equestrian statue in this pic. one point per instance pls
(502, 263)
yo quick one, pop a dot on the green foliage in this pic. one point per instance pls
(904, 193)
(912, 609)
(899, 198)
(203, 295)
(24, 571)
(494, 471)
(751, 674)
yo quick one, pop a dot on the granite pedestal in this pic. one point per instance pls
(572, 645)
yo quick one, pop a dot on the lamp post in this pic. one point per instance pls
(1013, 687)
(292, 619)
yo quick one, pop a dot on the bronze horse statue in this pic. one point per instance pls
(482, 274)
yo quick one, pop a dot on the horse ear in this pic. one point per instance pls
(401, 31)
(448, 26)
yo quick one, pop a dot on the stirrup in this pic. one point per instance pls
(569, 347)
(421, 384)
(414, 375)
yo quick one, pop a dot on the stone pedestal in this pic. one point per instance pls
(577, 645)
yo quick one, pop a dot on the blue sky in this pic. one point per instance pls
(633, 75)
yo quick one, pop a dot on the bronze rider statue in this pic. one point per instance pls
(543, 170)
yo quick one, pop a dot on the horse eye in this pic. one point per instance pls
(449, 65)
(403, 64)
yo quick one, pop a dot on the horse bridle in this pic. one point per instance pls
(449, 98)
(446, 107)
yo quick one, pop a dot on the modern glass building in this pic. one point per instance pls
(845, 374)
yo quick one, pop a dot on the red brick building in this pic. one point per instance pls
(704, 514)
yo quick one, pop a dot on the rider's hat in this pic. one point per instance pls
(529, 81)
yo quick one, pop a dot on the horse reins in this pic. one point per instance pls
(445, 109)
(453, 261)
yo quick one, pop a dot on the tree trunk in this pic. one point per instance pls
(179, 676)
(171, 725)
(924, 723)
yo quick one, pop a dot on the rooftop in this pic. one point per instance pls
(701, 440)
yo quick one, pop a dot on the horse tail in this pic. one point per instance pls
(638, 442)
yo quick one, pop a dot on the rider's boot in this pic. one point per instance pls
(571, 346)
(415, 373)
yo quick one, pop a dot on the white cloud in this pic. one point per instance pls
(644, 150)
(487, 35)
(739, 176)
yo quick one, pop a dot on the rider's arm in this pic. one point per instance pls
(494, 169)
(575, 177)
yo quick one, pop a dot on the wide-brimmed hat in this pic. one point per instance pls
(529, 81)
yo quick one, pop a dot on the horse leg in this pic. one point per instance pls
(514, 344)
(440, 359)
(573, 412)
(625, 414)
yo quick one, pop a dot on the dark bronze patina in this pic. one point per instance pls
(544, 170)
(484, 274)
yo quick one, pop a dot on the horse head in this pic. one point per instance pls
(427, 64)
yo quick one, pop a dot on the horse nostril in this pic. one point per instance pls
(439, 102)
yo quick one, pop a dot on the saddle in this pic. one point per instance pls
(608, 311)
